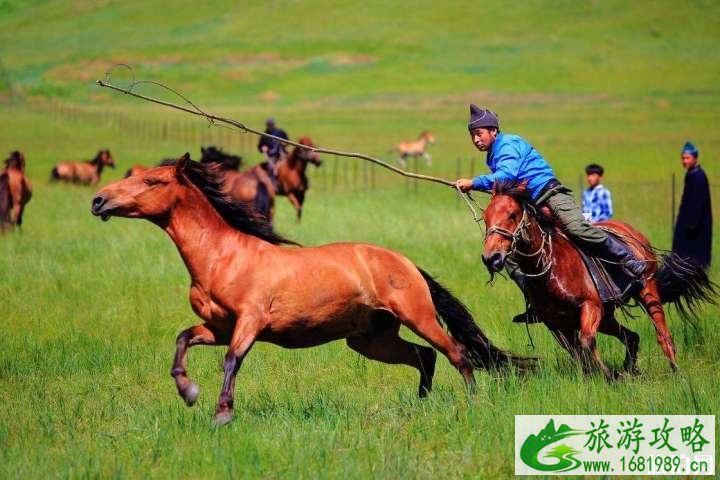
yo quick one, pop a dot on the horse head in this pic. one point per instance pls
(505, 220)
(149, 194)
(213, 154)
(16, 160)
(428, 137)
(305, 155)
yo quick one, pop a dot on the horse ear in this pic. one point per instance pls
(523, 185)
(181, 164)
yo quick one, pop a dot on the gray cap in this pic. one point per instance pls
(482, 118)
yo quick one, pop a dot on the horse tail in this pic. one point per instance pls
(54, 174)
(684, 283)
(262, 203)
(480, 350)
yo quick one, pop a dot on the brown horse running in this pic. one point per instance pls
(15, 191)
(291, 179)
(415, 148)
(86, 173)
(561, 291)
(247, 287)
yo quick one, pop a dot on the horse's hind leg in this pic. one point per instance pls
(422, 321)
(590, 317)
(650, 299)
(631, 340)
(197, 335)
(385, 345)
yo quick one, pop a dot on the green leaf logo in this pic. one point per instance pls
(564, 454)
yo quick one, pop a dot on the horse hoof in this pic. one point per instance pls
(190, 394)
(223, 418)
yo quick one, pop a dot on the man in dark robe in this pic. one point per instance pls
(693, 228)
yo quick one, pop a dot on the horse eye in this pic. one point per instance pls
(151, 181)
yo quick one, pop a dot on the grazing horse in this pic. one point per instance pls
(247, 287)
(561, 290)
(15, 191)
(414, 149)
(291, 179)
(87, 173)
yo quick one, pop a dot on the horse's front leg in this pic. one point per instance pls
(590, 317)
(295, 203)
(246, 331)
(197, 335)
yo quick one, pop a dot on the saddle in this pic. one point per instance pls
(614, 285)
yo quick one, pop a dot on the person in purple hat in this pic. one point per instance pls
(511, 158)
(693, 229)
(271, 148)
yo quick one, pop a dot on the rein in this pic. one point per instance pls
(543, 254)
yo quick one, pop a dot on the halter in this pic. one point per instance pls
(544, 256)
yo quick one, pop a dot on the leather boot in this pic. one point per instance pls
(614, 250)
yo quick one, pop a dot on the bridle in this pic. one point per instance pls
(520, 235)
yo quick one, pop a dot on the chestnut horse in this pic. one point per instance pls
(415, 149)
(291, 179)
(247, 287)
(87, 173)
(15, 191)
(561, 291)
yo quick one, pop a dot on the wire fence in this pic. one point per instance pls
(659, 198)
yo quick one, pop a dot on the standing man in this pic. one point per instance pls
(271, 148)
(693, 228)
(597, 201)
(512, 158)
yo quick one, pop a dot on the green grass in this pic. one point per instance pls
(90, 310)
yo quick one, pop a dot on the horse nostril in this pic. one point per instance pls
(97, 202)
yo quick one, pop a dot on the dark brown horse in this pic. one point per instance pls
(15, 191)
(291, 179)
(247, 287)
(561, 291)
(86, 173)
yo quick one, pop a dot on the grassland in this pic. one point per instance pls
(90, 310)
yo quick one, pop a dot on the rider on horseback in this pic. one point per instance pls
(272, 149)
(512, 158)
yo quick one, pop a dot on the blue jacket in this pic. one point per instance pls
(512, 158)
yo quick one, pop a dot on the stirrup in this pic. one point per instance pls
(526, 317)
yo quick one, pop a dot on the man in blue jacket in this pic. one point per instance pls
(512, 158)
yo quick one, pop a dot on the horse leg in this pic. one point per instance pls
(631, 340)
(568, 339)
(296, 204)
(242, 340)
(428, 158)
(425, 325)
(401, 161)
(650, 298)
(197, 335)
(385, 345)
(590, 316)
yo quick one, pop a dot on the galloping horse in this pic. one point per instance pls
(247, 287)
(414, 149)
(87, 173)
(15, 191)
(291, 179)
(561, 291)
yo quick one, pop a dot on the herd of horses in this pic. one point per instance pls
(250, 284)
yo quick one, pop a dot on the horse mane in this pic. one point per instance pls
(513, 188)
(210, 179)
(16, 160)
